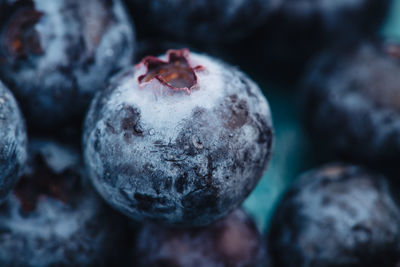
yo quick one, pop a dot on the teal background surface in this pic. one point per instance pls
(391, 26)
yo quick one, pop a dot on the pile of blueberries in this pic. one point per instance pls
(110, 156)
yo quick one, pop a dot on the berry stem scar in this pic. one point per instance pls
(176, 72)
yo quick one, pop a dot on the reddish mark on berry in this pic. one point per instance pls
(176, 72)
(18, 37)
(393, 50)
(44, 182)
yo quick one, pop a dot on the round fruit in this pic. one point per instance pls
(202, 21)
(54, 55)
(351, 102)
(297, 30)
(337, 215)
(13, 142)
(53, 217)
(232, 241)
(181, 139)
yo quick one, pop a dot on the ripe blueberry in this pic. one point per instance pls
(13, 142)
(351, 102)
(297, 30)
(330, 17)
(53, 218)
(180, 139)
(336, 215)
(54, 55)
(202, 21)
(232, 241)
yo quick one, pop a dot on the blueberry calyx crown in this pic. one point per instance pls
(176, 73)
(43, 181)
(393, 50)
(18, 38)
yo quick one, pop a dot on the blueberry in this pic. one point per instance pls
(53, 218)
(13, 142)
(351, 102)
(181, 139)
(201, 21)
(54, 55)
(297, 30)
(330, 17)
(232, 241)
(336, 215)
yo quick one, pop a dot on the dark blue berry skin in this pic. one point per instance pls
(13, 142)
(297, 30)
(54, 55)
(336, 215)
(231, 241)
(351, 102)
(330, 17)
(201, 21)
(53, 217)
(181, 156)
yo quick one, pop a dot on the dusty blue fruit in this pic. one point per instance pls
(55, 55)
(336, 215)
(54, 218)
(232, 241)
(13, 142)
(181, 139)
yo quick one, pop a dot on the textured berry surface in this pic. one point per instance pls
(53, 218)
(181, 155)
(13, 142)
(231, 241)
(351, 102)
(332, 17)
(54, 55)
(337, 215)
(297, 30)
(203, 21)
